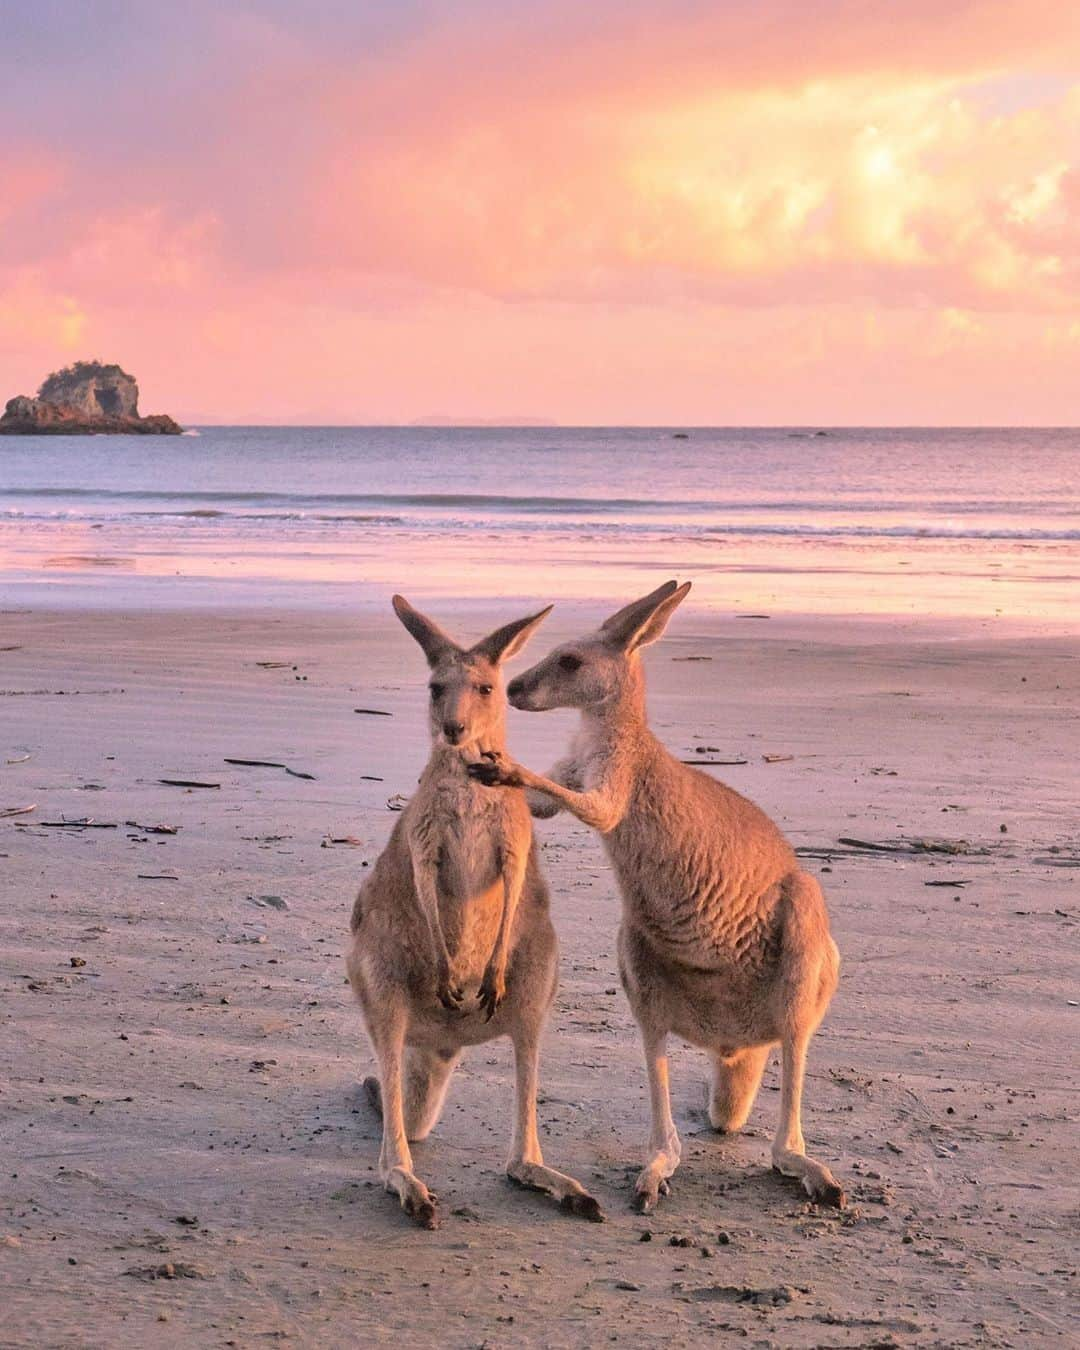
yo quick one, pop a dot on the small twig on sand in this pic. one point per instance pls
(777, 759)
(958, 882)
(950, 846)
(715, 761)
(18, 759)
(270, 764)
(186, 783)
(156, 876)
(17, 810)
(910, 848)
(152, 829)
(85, 824)
(372, 712)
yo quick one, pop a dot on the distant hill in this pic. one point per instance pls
(439, 420)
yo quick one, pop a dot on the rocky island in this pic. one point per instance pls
(84, 399)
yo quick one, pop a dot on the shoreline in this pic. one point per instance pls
(344, 605)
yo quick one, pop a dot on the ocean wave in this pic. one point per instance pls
(350, 506)
(303, 524)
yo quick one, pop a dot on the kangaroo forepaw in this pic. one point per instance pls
(494, 771)
(491, 993)
(450, 995)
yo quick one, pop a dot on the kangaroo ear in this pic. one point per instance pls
(507, 641)
(644, 620)
(433, 641)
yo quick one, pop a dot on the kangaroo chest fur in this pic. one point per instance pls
(700, 869)
(465, 828)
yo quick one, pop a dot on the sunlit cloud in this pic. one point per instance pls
(604, 212)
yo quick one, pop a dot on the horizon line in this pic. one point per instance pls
(642, 426)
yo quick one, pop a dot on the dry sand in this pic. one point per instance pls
(180, 1056)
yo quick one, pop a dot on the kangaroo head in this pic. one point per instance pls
(468, 705)
(597, 670)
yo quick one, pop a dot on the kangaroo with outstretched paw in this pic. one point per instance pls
(452, 942)
(724, 941)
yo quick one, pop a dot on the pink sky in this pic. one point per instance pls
(667, 212)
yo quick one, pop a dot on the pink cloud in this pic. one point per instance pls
(534, 207)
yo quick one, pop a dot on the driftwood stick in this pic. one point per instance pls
(86, 824)
(269, 764)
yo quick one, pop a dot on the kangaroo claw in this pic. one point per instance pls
(647, 1196)
(423, 1213)
(451, 997)
(491, 994)
(489, 1002)
(583, 1205)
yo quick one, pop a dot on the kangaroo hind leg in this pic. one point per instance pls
(789, 1148)
(526, 1166)
(809, 969)
(427, 1076)
(665, 1148)
(395, 1158)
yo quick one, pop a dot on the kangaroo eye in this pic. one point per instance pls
(484, 689)
(436, 690)
(570, 663)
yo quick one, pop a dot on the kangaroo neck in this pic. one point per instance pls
(624, 712)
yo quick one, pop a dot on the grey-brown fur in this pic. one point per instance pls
(452, 943)
(724, 940)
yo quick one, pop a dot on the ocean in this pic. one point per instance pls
(908, 522)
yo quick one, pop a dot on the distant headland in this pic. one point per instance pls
(445, 420)
(85, 399)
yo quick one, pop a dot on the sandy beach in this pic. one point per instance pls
(187, 1157)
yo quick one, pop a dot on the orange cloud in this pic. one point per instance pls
(623, 211)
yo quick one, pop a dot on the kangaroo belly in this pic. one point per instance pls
(705, 918)
(470, 924)
(721, 1009)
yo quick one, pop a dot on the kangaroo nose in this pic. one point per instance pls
(453, 731)
(515, 687)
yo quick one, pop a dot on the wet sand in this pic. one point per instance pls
(188, 1159)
